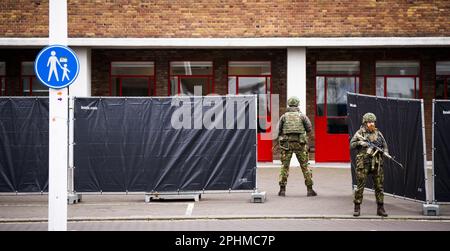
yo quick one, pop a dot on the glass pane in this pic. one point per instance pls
(28, 69)
(26, 86)
(397, 68)
(2, 68)
(174, 86)
(2, 87)
(252, 85)
(255, 85)
(357, 85)
(440, 87)
(115, 86)
(443, 68)
(38, 88)
(320, 95)
(269, 100)
(448, 88)
(338, 67)
(337, 125)
(337, 89)
(380, 86)
(191, 68)
(132, 68)
(263, 124)
(188, 86)
(417, 87)
(400, 87)
(232, 85)
(136, 87)
(249, 68)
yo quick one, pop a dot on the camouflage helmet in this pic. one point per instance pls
(369, 117)
(293, 101)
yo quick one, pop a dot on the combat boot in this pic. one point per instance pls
(357, 211)
(282, 191)
(380, 210)
(311, 192)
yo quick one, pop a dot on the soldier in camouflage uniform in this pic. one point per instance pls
(292, 138)
(369, 161)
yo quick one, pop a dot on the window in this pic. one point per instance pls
(442, 89)
(253, 77)
(31, 86)
(333, 80)
(132, 79)
(185, 76)
(398, 79)
(2, 79)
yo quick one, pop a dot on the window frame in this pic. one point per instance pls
(417, 93)
(210, 77)
(268, 117)
(357, 86)
(150, 92)
(446, 78)
(30, 78)
(325, 84)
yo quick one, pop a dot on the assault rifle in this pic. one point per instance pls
(376, 149)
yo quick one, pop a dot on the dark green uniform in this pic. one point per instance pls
(368, 164)
(292, 138)
(369, 161)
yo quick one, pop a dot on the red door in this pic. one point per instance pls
(331, 130)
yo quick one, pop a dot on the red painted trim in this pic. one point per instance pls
(179, 76)
(149, 78)
(325, 96)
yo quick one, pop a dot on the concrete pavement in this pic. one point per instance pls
(332, 184)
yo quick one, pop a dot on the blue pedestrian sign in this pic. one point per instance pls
(56, 66)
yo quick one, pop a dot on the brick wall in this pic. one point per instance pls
(258, 18)
(24, 18)
(231, 18)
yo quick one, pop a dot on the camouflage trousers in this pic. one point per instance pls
(364, 166)
(301, 151)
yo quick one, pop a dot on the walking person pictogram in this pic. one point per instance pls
(65, 71)
(52, 61)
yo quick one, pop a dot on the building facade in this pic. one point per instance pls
(317, 50)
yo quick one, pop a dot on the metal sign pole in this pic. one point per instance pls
(58, 128)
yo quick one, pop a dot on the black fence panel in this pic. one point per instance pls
(441, 161)
(24, 144)
(131, 144)
(400, 121)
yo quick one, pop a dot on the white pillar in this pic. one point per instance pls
(296, 75)
(81, 87)
(296, 80)
(58, 129)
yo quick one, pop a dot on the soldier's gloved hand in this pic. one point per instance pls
(364, 144)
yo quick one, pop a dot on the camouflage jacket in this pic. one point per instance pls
(306, 123)
(362, 135)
